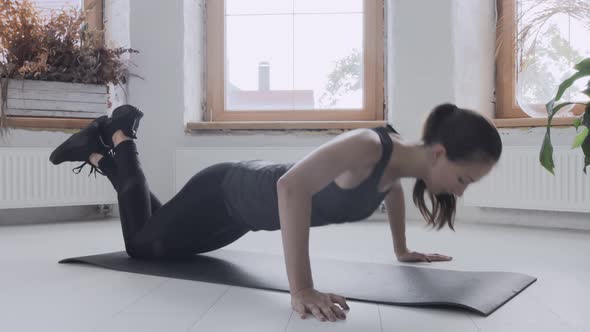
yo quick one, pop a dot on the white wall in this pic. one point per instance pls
(420, 73)
(474, 32)
(440, 50)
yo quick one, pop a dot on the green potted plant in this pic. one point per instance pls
(582, 140)
(533, 19)
(60, 50)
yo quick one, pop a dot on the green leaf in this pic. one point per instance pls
(583, 138)
(546, 155)
(568, 82)
(580, 138)
(578, 123)
(552, 109)
(584, 65)
(587, 90)
(586, 150)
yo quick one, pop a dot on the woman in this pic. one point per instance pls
(343, 180)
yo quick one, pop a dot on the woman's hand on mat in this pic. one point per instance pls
(412, 256)
(321, 305)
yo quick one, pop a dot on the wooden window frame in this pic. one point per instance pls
(508, 113)
(58, 124)
(95, 16)
(217, 117)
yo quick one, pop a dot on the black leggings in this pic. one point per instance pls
(194, 221)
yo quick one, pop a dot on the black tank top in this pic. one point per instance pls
(251, 196)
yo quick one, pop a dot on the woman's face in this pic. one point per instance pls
(451, 177)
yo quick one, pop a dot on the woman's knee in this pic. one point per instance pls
(150, 251)
(139, 252)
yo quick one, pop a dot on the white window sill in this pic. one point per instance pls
(282, 125)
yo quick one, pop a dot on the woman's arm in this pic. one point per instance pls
(354, 150)
(396, 213)
(295, 216)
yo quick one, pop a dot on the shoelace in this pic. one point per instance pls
(93, 169)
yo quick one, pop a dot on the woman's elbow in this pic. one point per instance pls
(286, 186)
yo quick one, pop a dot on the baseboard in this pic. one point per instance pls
(44, 215)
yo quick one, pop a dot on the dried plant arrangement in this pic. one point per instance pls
(56, 47)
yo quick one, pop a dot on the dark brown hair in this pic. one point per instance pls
(467, 136)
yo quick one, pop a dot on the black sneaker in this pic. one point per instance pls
(81, 145)
(125, 118)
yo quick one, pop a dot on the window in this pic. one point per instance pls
(295, 60)
(93, 8)
(47, 5)
(539, 42)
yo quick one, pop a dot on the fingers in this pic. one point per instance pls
(315, 310)
(323, 306)
(418, 257)
(428, 258)
(300, 309)
(340, 314)
(340, 300)
(439, 258)
(327, 311)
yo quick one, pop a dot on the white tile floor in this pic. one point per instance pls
(37, 294)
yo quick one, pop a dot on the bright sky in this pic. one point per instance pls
(57, 4)
(301, 39)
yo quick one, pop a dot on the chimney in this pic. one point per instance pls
(264, 76)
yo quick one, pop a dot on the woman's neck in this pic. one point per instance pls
(410, 160)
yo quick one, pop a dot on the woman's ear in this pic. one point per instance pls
(438, 152)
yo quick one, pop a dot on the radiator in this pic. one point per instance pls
(520, 182)
(28, 179)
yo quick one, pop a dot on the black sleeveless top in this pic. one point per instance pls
(251, 196)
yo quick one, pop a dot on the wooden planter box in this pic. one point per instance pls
(28, 98)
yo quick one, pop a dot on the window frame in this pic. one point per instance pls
(95, 15)
(374, 89)
(508, 113)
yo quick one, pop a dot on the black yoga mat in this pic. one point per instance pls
(481, 292)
